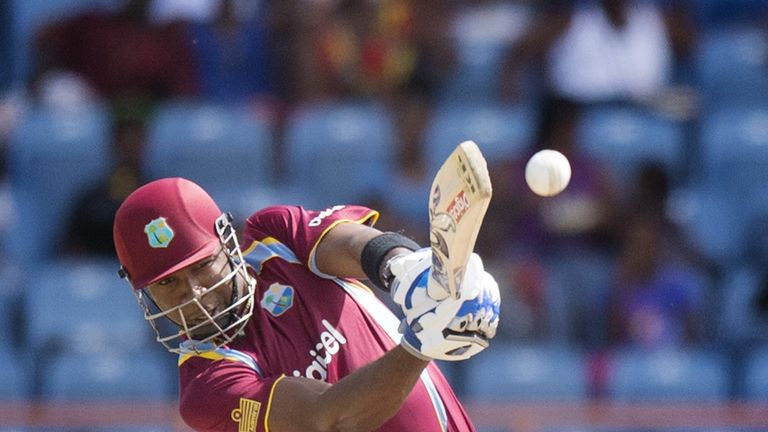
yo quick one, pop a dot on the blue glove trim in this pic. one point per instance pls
(420, 282)
(411, 339)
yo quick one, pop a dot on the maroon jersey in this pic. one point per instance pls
(305, 324)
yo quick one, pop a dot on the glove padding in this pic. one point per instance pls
(445, 328)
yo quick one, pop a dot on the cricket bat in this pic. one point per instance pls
(458, 200)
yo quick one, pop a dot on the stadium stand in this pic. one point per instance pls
(53, 155)
(668, 375)
(339, 152)
(527, 373)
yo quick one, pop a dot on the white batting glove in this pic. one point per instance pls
(446, 328)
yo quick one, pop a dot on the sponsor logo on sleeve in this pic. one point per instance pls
(277, 299)
(322, 353)
(247, 415)
(317, 220)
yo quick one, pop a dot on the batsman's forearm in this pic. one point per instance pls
(371, 395)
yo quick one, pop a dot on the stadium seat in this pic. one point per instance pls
(213, 145)
(53, 156)
(755, 377)
(11, 313)
(27, 16)
(109, 376)
(82, 305)
(715, 13)
(340, 153)
(714, 219)
(513, 373)
(625, 137)
(740, 322)
(734, 142)
(222, 148)
(482, 36)
(734, 153)
(15, 375)
(730, 64)
(501, 131)
(668, 375)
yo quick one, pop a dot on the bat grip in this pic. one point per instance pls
(437, 290)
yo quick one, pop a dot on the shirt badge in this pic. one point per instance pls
(247, 415)
(159, 233)
(277, 299)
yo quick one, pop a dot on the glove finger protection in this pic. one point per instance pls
(482, 313)
(447, 329)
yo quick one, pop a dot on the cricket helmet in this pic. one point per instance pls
(169, 224)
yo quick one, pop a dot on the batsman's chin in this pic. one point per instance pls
(205, 329)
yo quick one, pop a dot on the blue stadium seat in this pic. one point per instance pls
(228, 150)
(734, 149)
(734, 142)
(27, 16)
(11, 312)
(714, 219)
(668, 375)
(82, 305)
(515, 373)
(711, 14)
(755, 377)
(625, 137)
(740, 322)
(15, 375)
(218, 146)
(109, 376)
(482, 37)
(340, 153)
(501, 131)
(730, 64)
(53, 156)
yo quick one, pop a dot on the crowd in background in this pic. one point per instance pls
(605, 264)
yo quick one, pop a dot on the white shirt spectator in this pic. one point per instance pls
(596, 61)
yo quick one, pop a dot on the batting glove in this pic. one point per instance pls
(445, 328)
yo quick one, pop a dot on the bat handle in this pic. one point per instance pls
(437, 287)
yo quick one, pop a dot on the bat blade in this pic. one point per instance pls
(458, 200)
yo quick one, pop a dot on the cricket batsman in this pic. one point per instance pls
(276, 333)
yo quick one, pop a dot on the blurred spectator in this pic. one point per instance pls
(193, 11)
(90, 224)
(480, 30)
(11, 109)
(527, 307)
(660, 292)
(573, 235)
(602, 50)
(233, 54)
(381, 49)
(124, 56)
(656, 301)
(394, 50)
(650, 194)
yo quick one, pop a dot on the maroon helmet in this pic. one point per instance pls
(165, 226)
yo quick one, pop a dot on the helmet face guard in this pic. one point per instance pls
(213, 331)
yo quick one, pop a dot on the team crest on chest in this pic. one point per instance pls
(159, 233)
(277, 299)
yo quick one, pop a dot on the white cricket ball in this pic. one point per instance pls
(547, 173)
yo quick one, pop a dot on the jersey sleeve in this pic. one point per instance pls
(226, 396)
(301, 230)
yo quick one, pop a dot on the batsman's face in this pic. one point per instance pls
(195, 287)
